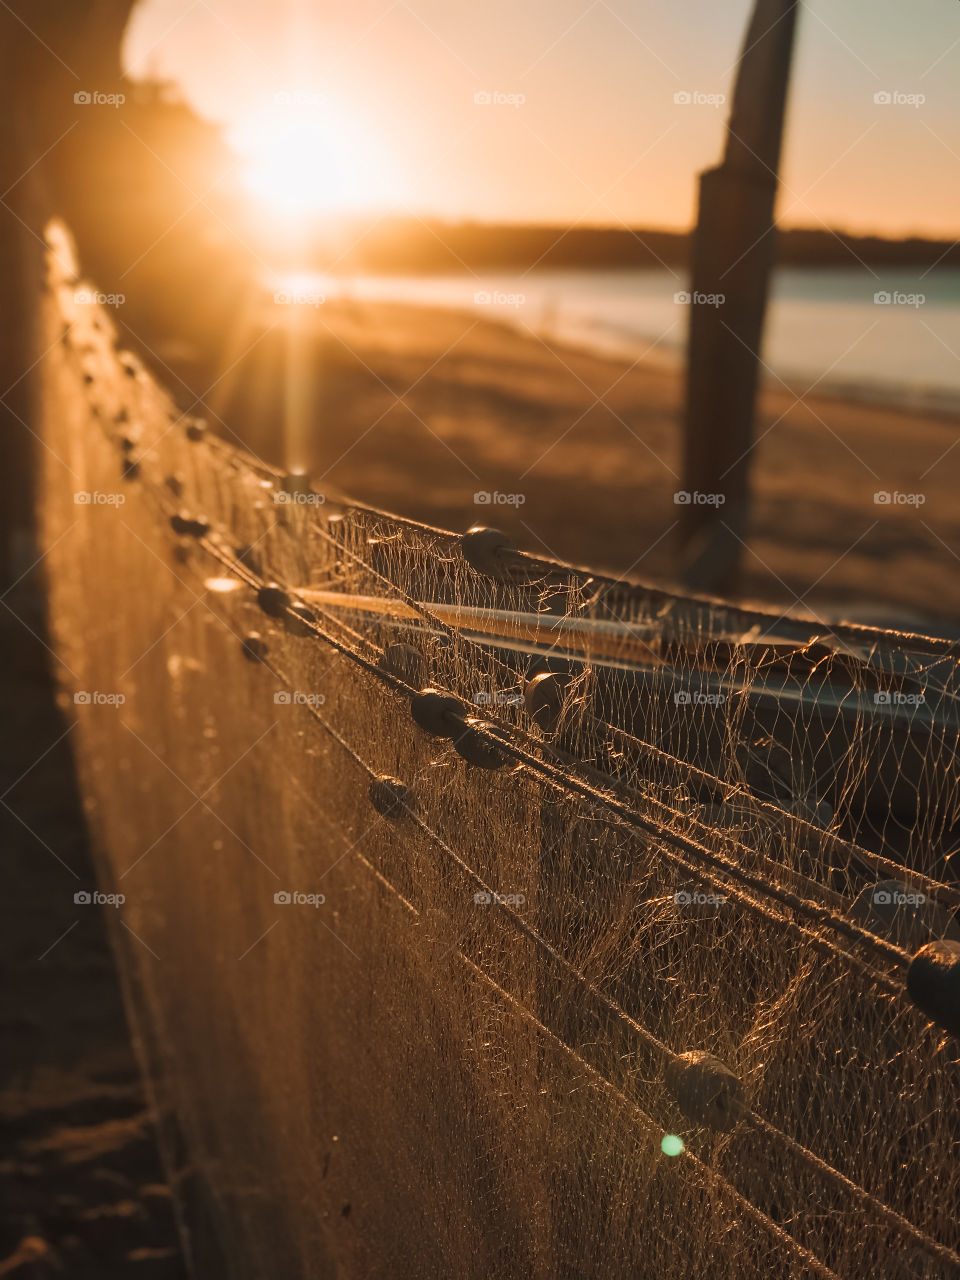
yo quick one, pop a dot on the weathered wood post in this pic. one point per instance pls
(48, 53)
(733, 250)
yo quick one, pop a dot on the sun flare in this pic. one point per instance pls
(305, 157)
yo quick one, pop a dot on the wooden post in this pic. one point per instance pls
(19, 293)
(47, 53)
(733, 249)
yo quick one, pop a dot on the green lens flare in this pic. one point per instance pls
(671, 1145)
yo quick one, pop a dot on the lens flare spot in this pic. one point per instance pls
(671, 1144)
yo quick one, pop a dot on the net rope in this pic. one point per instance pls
(656, 859)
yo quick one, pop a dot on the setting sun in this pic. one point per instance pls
(305, 156)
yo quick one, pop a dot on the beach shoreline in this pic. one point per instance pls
(824, 328)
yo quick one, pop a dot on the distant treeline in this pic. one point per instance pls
(408, 245)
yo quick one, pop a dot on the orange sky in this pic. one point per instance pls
(381, 105)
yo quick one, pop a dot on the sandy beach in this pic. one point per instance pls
(417, 410)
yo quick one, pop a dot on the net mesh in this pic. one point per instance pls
(590, 962)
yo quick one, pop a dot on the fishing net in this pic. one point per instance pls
(483, 917)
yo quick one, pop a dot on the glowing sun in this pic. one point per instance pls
(303, 157)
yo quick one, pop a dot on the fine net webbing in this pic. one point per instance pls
(642, 828)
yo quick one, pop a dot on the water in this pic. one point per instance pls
(824, 326)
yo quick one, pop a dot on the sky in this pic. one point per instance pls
(374, 104)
